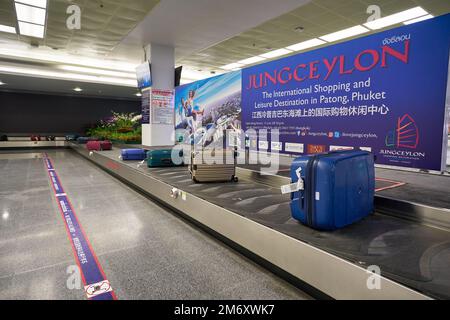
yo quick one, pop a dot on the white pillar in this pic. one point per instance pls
(161, 130)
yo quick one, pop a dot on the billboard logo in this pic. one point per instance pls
(406, 135)
(340, 148)
(277, 146)
(295, 147)
(314, 149)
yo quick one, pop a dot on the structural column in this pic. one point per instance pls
(161, 129)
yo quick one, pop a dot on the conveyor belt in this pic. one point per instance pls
(420, 189)
(421, 198)
(408, 253)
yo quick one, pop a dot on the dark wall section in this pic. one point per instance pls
(40, 113)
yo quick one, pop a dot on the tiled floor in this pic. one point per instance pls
(146, 251)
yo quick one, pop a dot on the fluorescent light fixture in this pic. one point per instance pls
(276, 53)
(8, 29)
(428, 16)
(99, 72)
(306, 44)
(35, 3)
(252, 60)
(31, 30)
(346, 33)
(40, 73)
(232, 66)
(30, 14)
(38, 54)
(77, 89)
(396, 18)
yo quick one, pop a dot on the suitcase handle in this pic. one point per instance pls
(295, 187)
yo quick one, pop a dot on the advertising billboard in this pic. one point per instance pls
(384, 93)
(211, 105)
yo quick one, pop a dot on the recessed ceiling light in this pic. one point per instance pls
(138, 94)
(346, 33)
(30, 14)
(276, 53)
(45, 73)
(77, 89)
(31, 30)
(8, 29)
(232, 66)
(396, 18)
(2, 83)
(428, 16)
(299, 29)
(43, 55)
(251, 60)
(35, 3)
(306, 44)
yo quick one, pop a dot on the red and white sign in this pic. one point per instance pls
(163, 107)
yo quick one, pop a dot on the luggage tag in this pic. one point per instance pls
(294, 187)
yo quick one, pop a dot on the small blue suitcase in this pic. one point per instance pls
(84, 140)
(134, 154)
(339, 189)
(72, 137)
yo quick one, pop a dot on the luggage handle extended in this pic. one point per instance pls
(294, 187)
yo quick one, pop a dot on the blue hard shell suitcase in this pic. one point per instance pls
(134, 154)
(161, 158)
(339, 189)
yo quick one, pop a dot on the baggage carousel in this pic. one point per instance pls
(254, 217)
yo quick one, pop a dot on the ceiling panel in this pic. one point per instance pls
(103, 22)
(110, 27)
(317, 18)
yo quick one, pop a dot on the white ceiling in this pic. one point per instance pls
(104, 24)
(194, 25)
(317, 18)
(206, 34)
(188, 25)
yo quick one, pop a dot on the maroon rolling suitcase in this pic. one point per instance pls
(99, 145)
(94, 146)
(106, 145)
